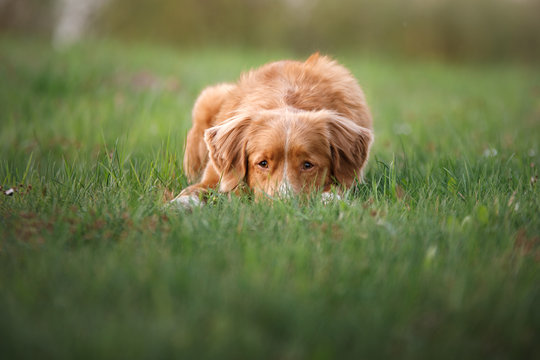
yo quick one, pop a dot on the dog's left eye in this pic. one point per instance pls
(307, 165)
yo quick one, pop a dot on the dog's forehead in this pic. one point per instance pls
(289, 136)
(267, 141)
(288, 121)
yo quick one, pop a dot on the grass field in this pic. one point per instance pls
(436, 255)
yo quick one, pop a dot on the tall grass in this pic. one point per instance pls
(435, 255)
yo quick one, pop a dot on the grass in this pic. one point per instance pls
(435, 256)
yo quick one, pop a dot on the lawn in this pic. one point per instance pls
(436, 255)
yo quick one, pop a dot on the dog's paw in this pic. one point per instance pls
(186, 202)
(328, 197)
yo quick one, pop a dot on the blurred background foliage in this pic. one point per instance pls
(480, 30)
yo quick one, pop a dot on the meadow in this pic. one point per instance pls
(435, 255)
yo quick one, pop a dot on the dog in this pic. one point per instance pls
(286, 128)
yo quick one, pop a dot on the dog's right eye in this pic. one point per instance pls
(263, 164)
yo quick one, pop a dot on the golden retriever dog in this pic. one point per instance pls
(285, 128)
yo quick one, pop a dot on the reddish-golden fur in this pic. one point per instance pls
(286, 127)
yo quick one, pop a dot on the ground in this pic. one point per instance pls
(436, 255)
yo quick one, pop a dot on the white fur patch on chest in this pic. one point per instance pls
(186, 202)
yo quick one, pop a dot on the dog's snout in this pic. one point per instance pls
(285, 189)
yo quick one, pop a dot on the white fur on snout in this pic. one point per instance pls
(328, 197)
(285, 188)
(186, 201)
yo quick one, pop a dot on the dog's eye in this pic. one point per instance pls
(263, 164)
(307, 165)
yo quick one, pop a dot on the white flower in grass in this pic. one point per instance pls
(430, 255)
(402, 129)
(532, 152)
(490, 152)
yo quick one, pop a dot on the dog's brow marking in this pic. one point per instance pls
(284, 187)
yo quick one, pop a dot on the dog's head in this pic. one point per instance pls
(281, 152)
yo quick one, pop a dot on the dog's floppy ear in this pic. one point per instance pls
(349, 144)
(227, 149)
